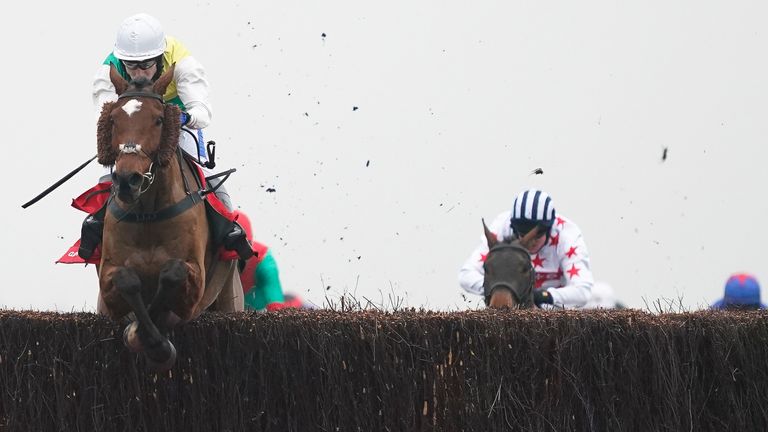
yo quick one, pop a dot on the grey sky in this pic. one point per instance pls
(458, 102)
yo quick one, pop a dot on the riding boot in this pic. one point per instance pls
(235, 239)
(91, 234)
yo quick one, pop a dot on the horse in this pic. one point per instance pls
(159, 267)
(509, 274)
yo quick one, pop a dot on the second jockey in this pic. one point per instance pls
(259, 275)
(559, 256)
(143, 50)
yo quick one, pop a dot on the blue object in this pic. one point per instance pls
(742, 291)
(201, 145)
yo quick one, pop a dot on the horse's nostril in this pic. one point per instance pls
(135, 180)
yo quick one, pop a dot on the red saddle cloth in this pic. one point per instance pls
(96, 197)
(90, 202)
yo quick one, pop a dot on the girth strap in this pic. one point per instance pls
(167, 213)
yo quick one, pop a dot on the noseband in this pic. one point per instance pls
(501, 284)
(149, 176)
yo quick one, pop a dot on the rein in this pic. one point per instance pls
(192, 199)
(169, 212)
(501, 284)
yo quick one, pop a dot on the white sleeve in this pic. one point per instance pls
(192, 86)
(574, 262)
(103, 90)
(472, 273)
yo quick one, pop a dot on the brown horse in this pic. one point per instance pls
(509, 274)
(157, 257)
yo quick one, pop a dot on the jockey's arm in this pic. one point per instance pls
(574, 262)
(103, 89)
(193, 90)
(191, 85)
(472, 273)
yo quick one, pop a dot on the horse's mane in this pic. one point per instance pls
(169, 139)
(140, 84)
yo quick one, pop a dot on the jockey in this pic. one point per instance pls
(143, 50)
(559, 255)
(259, 274)
(742, 292)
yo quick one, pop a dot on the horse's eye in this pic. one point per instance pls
(159, 121)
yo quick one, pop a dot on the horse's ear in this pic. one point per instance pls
(165, 79)
(489, 236)
(118, 81)
(527, 240)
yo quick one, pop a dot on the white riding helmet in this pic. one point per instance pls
(532, 207)
(140, 37)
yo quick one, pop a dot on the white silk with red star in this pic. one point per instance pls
(562, 265)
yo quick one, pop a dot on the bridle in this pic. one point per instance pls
(501, 284)
(133, 148)
(192, 198)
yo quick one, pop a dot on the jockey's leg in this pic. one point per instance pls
(235, 238)
(93, 229)
(90, 234)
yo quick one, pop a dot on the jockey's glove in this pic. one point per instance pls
(542, 296)
(186, 118)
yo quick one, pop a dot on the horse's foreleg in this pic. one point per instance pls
(142, 333)
(173, 276)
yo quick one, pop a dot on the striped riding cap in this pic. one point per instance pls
(533, 206)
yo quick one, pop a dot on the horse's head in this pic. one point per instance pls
(509, 274)
(137, 133)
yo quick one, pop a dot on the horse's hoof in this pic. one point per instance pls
(131, 338)
(162, 365)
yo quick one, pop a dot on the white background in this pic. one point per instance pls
(458, 103)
